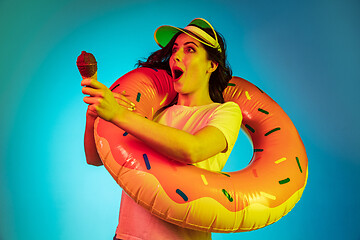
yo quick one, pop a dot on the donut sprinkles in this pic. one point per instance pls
(248, 199)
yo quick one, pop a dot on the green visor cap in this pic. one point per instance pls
(165, 33)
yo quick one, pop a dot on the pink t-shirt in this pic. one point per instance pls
(137, 223)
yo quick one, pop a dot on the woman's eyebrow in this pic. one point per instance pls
(175, 44)
(189, 43)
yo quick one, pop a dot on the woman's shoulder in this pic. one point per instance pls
(227, 111)
(229, 106)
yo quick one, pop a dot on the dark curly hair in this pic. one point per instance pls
(219, 79)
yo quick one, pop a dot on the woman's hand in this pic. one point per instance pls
(103, 102)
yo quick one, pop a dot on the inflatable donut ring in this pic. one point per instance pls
(252, 198)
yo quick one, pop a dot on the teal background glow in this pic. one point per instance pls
(304, 54)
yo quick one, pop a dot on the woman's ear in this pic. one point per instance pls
(213, 66)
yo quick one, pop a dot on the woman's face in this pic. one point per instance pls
(190, 66)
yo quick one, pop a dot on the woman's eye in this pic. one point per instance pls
(174, 50)
(190, 49)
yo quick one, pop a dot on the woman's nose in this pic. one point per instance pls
(178, 56)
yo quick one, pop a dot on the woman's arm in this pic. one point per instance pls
(92, 156)
(176, 144)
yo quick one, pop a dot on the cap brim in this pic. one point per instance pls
(164, 34)
(200, 22)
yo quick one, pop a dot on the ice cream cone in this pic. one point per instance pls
(87, 65)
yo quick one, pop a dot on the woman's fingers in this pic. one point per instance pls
(91, 112)
(92, 108)
(95, 101)
(95, 92)
(91, 100)
(86, 82)
(124, 93)
(122, 99)
(92, 83)
(98, 93)
(92, 92)
(102, 101)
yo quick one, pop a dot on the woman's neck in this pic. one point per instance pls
(193, 100)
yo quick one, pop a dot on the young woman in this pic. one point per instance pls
(199, 129)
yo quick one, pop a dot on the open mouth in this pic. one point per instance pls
(177, 73)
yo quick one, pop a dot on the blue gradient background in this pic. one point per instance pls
(304, 54)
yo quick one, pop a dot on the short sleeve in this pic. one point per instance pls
(227, 118)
